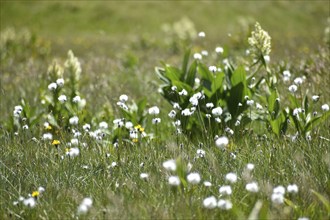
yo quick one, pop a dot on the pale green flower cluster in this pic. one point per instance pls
(10, 35)
(183, 29)
(73, 64)
(56, 69)
(260, 45)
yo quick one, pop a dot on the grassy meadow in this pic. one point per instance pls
(165, 110)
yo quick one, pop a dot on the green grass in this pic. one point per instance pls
(85, 23)
(118, 45)
(24, 168)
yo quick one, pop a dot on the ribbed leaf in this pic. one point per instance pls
(239, 76)
(191, 74)
(185, 61)
(217, 82)
(273, 104)
(204, 72)
(172, 73)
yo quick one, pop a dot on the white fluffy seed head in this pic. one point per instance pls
(221, 142)
(153, 110)
(194, 178)
(210, 202)
(325, 107)
(144, 176)
(225, 204)
(231, 177)
(252, 187)
(174, 181)
(225, 190)
(279, 190)
(123, 98)
(170, 165)
(217, 111)
(277, 198)
(250, 166)
(292, 188)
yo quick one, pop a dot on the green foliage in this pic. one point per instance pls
(20, 45)
(135, 112)
(323, 200)
(236, 92)
(59, 111)
(111, 158)
(277, 118)
(303, 115)
(228, 89)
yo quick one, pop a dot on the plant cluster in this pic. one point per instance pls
(193, 154)
(219, 97)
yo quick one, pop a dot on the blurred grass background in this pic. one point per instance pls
(104, 26)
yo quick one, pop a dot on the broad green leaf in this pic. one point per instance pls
(284, 125)
(26, 108)
(217, 82)
(172, 73)
(239, 76)
(128, 116)
(204, 72)
(207, 85)
(206, 91)
(141, 106)
(181, 85)
(191, 74)
(306, 105)
(236, 96)
(296, 121)
(294, 101)
(169, 94)
(69, 107)
(275, 127)
(273, 104)
(277, 124)
(52, 120)
(185, 61)
(237, 92)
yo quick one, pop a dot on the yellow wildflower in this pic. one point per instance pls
(35, 194)
(135, 140)
(139, 128)
(56, 142)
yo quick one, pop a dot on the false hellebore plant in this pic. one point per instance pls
(223, 96)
